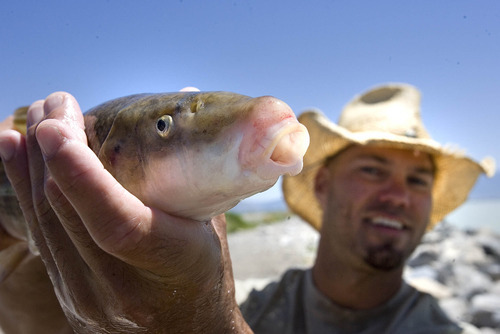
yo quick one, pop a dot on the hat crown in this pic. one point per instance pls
(391, 109)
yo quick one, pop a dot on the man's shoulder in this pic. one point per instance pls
(280, 299)
(425, 313)
(286, 288)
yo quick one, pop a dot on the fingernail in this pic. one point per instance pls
(49, 138)
(6, 149)
(34, 114)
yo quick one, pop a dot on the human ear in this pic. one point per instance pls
(321, 182)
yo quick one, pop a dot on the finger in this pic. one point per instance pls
(7, 123)
(14, 157)
(37, 207)
(219, 223)
(77, 232)
(60, 224)
(15, 162)
(63, 106)
(11, 217)
(56, 248)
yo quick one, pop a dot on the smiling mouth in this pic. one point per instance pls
(386, 223)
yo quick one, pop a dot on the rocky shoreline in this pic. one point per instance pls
(459, 267)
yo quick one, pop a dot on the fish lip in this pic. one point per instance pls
(273, 142)
(292, 128)
(284, 151)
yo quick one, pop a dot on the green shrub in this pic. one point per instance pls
(237, 222)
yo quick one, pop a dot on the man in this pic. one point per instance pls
(372, 184)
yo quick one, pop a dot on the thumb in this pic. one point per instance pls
(219, 223)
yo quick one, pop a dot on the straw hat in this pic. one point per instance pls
(388, 116)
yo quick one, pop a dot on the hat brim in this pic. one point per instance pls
(455, 176)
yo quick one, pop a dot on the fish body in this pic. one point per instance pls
(196, 154)
(191, 154)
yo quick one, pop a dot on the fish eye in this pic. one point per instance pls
(164, 125)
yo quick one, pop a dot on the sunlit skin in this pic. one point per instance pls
(377, 203)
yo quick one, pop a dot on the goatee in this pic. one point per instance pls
(384, 257)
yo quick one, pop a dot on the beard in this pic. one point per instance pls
(384, 257)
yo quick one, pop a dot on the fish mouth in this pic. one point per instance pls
(273, 141)
(284, 151)
(289, 146)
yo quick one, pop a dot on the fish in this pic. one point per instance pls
(196, 154)
(191, 154)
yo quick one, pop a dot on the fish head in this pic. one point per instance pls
(197, 154)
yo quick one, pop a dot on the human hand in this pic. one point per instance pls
(116, 265)
(27, 300)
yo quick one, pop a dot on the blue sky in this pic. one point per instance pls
(307, 53)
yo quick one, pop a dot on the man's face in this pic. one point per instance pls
(377, 203)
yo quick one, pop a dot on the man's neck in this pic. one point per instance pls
(355, 288)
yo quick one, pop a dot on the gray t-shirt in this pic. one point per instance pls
(294, 305)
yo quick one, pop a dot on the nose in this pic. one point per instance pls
(396, 192)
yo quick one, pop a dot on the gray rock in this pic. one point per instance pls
(426, 254)
(488, 302)
(487, 330)
(456, 308)
(441, 232)
(491, 269)
(422, 271)
(482, 318)
(446, 274)
(431, 286)
(468, 282)
(496, 288)
(489, 242)
(462, 249)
